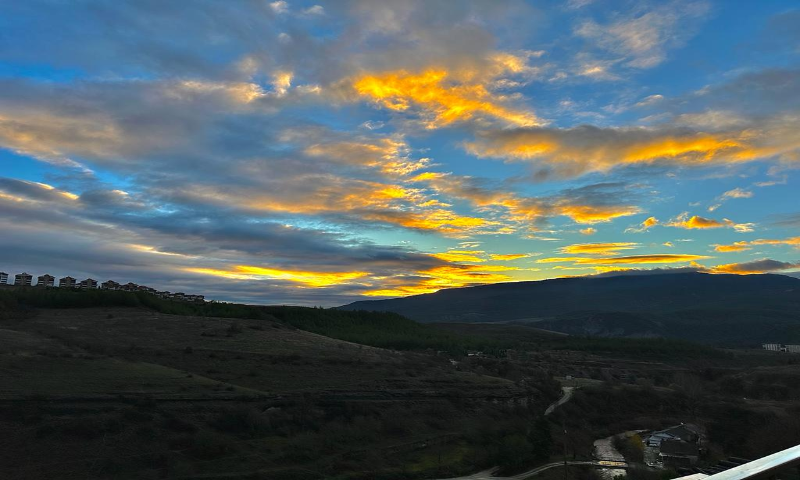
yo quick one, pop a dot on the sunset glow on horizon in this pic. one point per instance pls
(319, 153)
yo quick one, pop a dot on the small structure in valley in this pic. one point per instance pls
(675, 447)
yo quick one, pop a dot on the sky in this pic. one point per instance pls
(319, 153)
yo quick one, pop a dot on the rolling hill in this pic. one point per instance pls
(722, 309)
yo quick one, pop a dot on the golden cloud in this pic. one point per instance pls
(442, 99)
(509, 256)
(697, 222)
(460, 256)
(598, 248)
(743, 245)
(588, 231)
(306, 278)
(574, 151)
(591, 214)
(631, 259)
(764, 265)
(446, 276)
(525, 210)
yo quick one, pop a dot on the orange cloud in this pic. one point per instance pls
(574, 151)
(696, 222)
(524, 210)
(442, 100)
(588, 231)
(631, 259)
(307, 278)
(740, 246)
(372, 201)
(644, 226)
(447, 276)
(591, 214)
(642, 259)
(509, 256)
(763, 265)
(460, 256)
(598, 248)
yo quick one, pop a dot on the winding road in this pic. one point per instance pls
(488, 474)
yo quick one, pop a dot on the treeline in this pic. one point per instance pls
(25, 298)
(381, 329)
(377, 329)
(653, 347)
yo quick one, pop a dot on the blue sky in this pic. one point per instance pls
(317, 153)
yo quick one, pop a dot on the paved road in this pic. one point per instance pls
(561, 401)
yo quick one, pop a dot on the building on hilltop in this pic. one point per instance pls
(3, 278)
(793, 348)
(110, 285)
(772, 347)
(67, 282)
(46, 281)
(129, 287)
(23, 279)
(88, 284)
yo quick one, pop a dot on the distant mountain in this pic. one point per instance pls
(724, 309)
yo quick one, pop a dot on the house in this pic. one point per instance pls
(178, 296)
(793, 348)
(772, 347)
(67, 282)
(685, 432)
(87, 284)
(130, 287)
(677, 453)
(23, 279)
(45, 281)
(110, 285)
(3, 278)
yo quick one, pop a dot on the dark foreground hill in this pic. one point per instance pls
(725, 309)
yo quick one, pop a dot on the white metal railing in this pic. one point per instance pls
(760, 468)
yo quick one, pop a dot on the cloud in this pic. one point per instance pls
(440, 100)
(646, 224)
(650, 100)
(745, 245)
(588, 231)
(306, 278)
(696, 222)
(574, 151)
(592, 204)
(598, 248)
(643, 39)
(764, 265)
(624, 260)
(738, 193)
(279, 7)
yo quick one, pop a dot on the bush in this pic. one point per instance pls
(242, 421)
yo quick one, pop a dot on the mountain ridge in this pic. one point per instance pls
(713, 308)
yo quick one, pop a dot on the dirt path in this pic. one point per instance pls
(488, 474)
(561, 401)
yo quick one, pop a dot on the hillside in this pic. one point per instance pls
(726, 309)
(131, 392)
